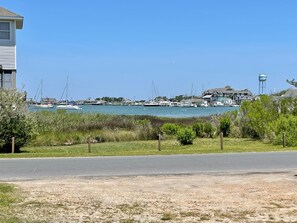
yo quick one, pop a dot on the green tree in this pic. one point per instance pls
(15, 121)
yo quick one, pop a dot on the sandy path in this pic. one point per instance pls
(210, 198)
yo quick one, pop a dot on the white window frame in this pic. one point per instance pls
(9, 31)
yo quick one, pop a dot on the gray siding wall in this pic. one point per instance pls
(8, 57)
(8, 49)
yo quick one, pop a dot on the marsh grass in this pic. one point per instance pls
(64, 128)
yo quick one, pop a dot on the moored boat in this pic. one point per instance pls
(69, 107)
(204, 104)
(43, 106)
(151, 103)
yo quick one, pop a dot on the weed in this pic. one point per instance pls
(205, 217)
(130, 209)
(167, 216)
(277, 205)
(128, 221)
(189, 214)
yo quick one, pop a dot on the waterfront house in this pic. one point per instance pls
(226, 93)
(9, 23)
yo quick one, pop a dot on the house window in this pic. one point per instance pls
(4, 30)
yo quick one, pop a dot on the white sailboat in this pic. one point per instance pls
(66, 105)
(41, 104)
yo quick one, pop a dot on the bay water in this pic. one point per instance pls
(174, 112)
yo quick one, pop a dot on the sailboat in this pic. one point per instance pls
(153, 102)
(66, 105)
(41, 104)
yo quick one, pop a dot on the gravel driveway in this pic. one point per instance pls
(254, 197)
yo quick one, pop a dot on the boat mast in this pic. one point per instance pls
(41, 90)
(65, 91)
(38, 92)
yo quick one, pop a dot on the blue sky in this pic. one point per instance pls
(118, 48)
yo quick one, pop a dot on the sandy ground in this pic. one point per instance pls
(270, 197)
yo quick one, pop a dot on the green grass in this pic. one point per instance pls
(133, 148)
(8, 197)
(10, 203)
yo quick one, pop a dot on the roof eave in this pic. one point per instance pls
(19, 20)
(19, 23)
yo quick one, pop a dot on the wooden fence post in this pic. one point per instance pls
(222, 140)
(284, 139)
(12, 144)
(89, 145)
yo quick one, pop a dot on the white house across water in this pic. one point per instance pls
(9, 23)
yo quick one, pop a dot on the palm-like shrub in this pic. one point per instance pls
(225, 126)
(15, 121)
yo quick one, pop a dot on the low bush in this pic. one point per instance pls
(198, 128)
(170, 129)
(185, 136)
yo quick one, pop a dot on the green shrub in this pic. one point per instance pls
(203, 129)
(225, 126)
(256, 115)
(185, 136)
(15, 121)
(170, 129)
(208, 129)
(198, 128)
(287, 124)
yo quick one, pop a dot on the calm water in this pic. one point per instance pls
(176, 112)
